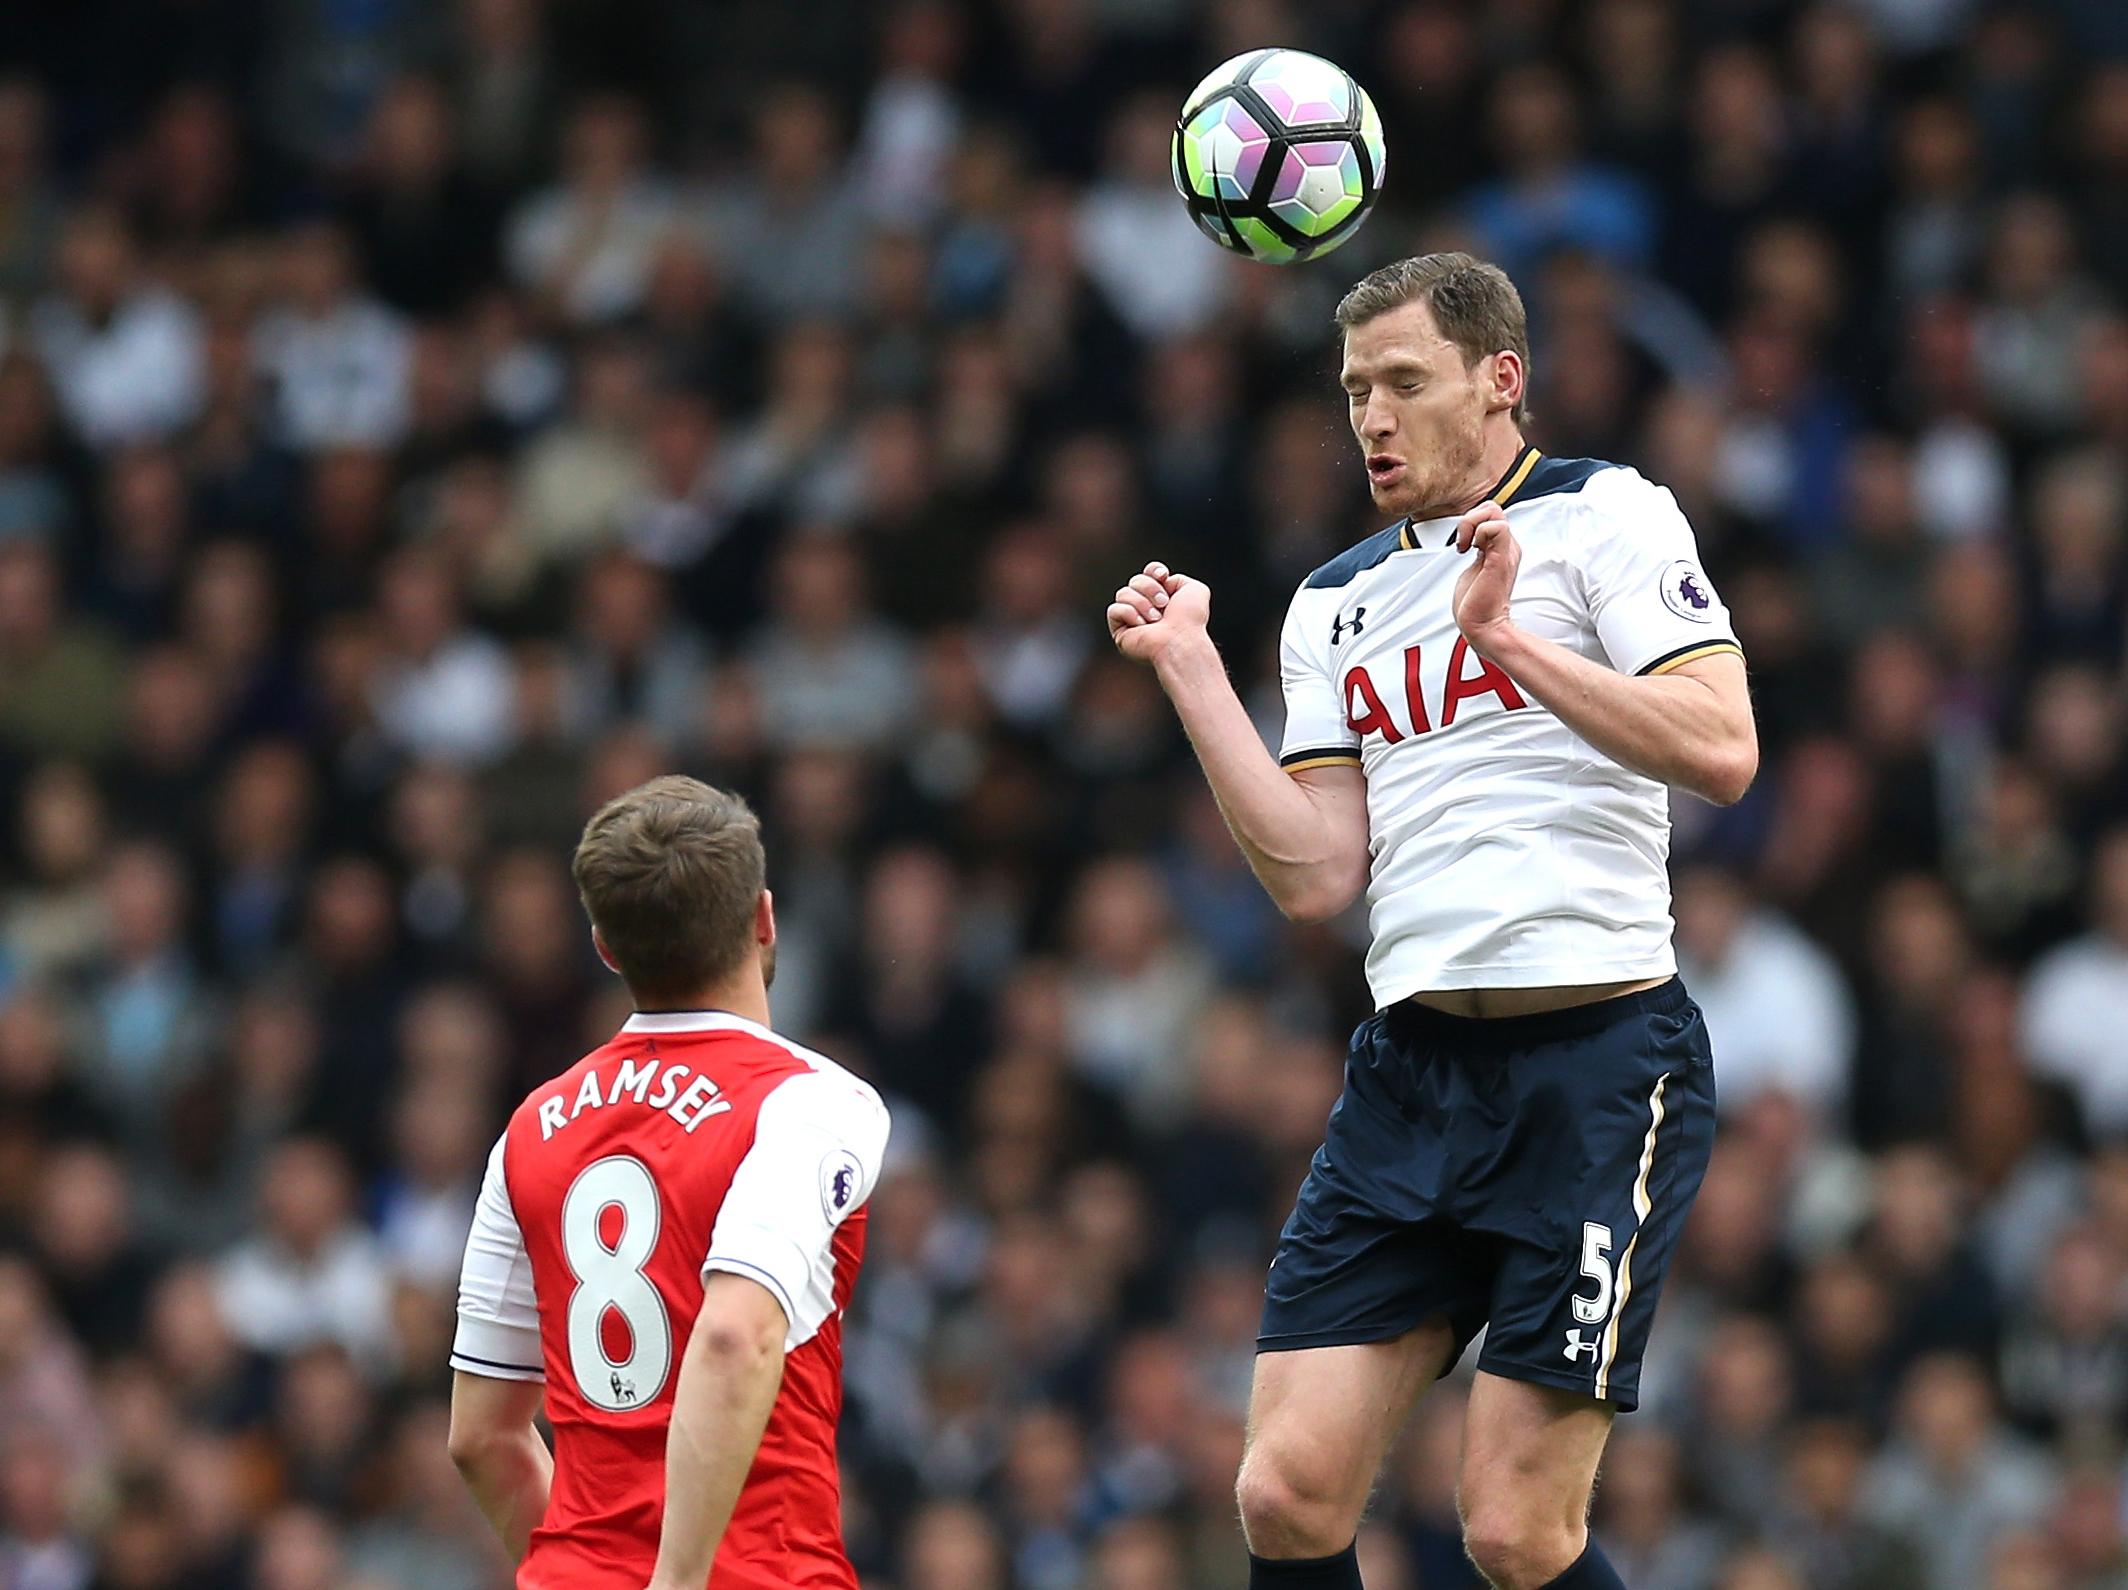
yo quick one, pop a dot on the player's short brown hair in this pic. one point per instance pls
(670, 874)
(1473, 302)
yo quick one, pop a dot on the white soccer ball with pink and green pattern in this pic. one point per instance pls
(1278, 155)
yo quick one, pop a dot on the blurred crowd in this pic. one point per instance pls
(420, 422)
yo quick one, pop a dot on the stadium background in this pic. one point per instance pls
(419, 422)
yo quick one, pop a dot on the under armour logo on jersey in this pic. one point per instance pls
(623, 1390)
(1575, 1347)
(1338, 626)
(845, 1184)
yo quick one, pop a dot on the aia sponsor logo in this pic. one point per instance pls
(1367, 713)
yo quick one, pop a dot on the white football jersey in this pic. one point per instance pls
(1507, 852)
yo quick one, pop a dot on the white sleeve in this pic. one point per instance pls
(1317, 733)
(819, 1138)
(498, 1316)
(1654, 607)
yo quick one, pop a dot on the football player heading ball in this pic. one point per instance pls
(1485, 702)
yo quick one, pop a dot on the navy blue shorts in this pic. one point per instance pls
(1528, 1175)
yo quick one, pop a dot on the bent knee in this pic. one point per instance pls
(1290, 1508)
(1517, 1551)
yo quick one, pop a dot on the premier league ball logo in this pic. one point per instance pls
(840, 1179)
(1686, 592)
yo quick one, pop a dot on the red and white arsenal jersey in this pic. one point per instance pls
(694, 1141)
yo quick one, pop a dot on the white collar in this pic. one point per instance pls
(669, 1021)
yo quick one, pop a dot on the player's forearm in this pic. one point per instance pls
(728, 1384)
(509, 1477)
(1668, 726)
(1299, 856)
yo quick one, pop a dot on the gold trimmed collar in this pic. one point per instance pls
(1503, 491)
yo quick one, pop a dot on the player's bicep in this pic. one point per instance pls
(1338, 792)
(498, 1313)
(741, 1309)
(819, 1141)
(485, 1409)
(1723, 673)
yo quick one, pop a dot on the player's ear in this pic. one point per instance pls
(604, 954)
(765, 920)
(1509, 378)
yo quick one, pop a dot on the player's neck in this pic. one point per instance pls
(1500, 448)
(1503, 445)
(742, 995)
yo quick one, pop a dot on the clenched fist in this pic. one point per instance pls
(1157, 613)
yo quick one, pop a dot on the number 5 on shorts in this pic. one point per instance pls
(1595, 1243)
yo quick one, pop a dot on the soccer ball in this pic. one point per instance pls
(1278, 155)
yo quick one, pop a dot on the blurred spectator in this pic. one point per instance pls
(85, 1242)
(145, 998)
(61, 683)
(32, 207)
(1646, 1532)
(425, 230)
(1774, 1002)
(2038, 311)
(424, 1210)
(53, 922)
(576, 480)
(1952, 1478)
(633, 660)
(38, 1549)
(123, 353)
(1874, 580)
(788, 224)
(338, 363)
(1135, 988)
(1832, 1541)
(912, 119)
(45, 1395)
(829, 672)
(2076, 1005)
(907, 1003)
(795, 460)
(584, 246)
(442, 688)
(1550, 198)
(311, 1274)
(2065, 1363)
(1028, 642)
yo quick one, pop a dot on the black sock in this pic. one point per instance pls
(1591, 1571)
(1341, 1572)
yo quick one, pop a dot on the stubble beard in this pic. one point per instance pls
(1441, 479)
(1436, 484)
